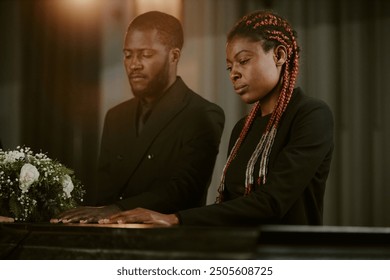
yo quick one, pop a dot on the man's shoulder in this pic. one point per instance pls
(195, 99)
(123, 106)
(200, 106)
(199, 102)
(121, 110)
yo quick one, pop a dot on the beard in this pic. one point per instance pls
(156, 85)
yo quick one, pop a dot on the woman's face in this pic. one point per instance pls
(254, 73)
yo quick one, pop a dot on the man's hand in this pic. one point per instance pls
(6, 219)
(144, 216)
(86, 214)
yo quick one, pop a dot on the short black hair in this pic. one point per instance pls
(168, 27)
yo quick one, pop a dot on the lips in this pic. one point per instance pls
(136, 77)
(240, 89)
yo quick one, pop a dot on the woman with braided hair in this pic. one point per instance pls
(280, 154)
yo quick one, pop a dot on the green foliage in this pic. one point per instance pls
(35, 188)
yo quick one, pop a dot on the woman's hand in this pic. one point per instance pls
(86, 214)
(144, 216)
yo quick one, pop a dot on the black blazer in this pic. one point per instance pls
(168, 167)
(298, 167)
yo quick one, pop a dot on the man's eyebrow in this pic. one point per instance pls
(141, 49)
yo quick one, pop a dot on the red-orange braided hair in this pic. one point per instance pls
(271, 31)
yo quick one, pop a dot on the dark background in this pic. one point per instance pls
(61, 69)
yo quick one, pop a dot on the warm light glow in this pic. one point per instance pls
(78, 6)
(81, 3)
(80, 9)
(172, 7)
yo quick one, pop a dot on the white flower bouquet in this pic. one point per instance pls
(35, 188)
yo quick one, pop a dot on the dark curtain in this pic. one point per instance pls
(60, 58)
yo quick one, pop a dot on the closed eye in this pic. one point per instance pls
(244, 61)
(147, 53)
(127, 54)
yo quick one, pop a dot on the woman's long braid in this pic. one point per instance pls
(272, 31)
(248, 122)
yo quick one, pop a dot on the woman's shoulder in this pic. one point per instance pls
(305, 109)
(303, 102)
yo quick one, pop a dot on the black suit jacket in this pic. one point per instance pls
(168, 167)
(298, 168)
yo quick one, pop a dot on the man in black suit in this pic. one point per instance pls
(158, 149)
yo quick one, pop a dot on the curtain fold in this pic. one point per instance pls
(60, 60)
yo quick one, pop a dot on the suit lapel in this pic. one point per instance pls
(173, 102)
(129, 125)
(128, 138)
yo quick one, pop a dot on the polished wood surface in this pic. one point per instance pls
(111, 225)
(136, 241)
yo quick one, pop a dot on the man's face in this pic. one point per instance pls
(146, 62)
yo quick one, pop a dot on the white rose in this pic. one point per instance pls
(28, 175)
(67, 185)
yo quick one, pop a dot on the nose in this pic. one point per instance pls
(234, 75)
(133, 64)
